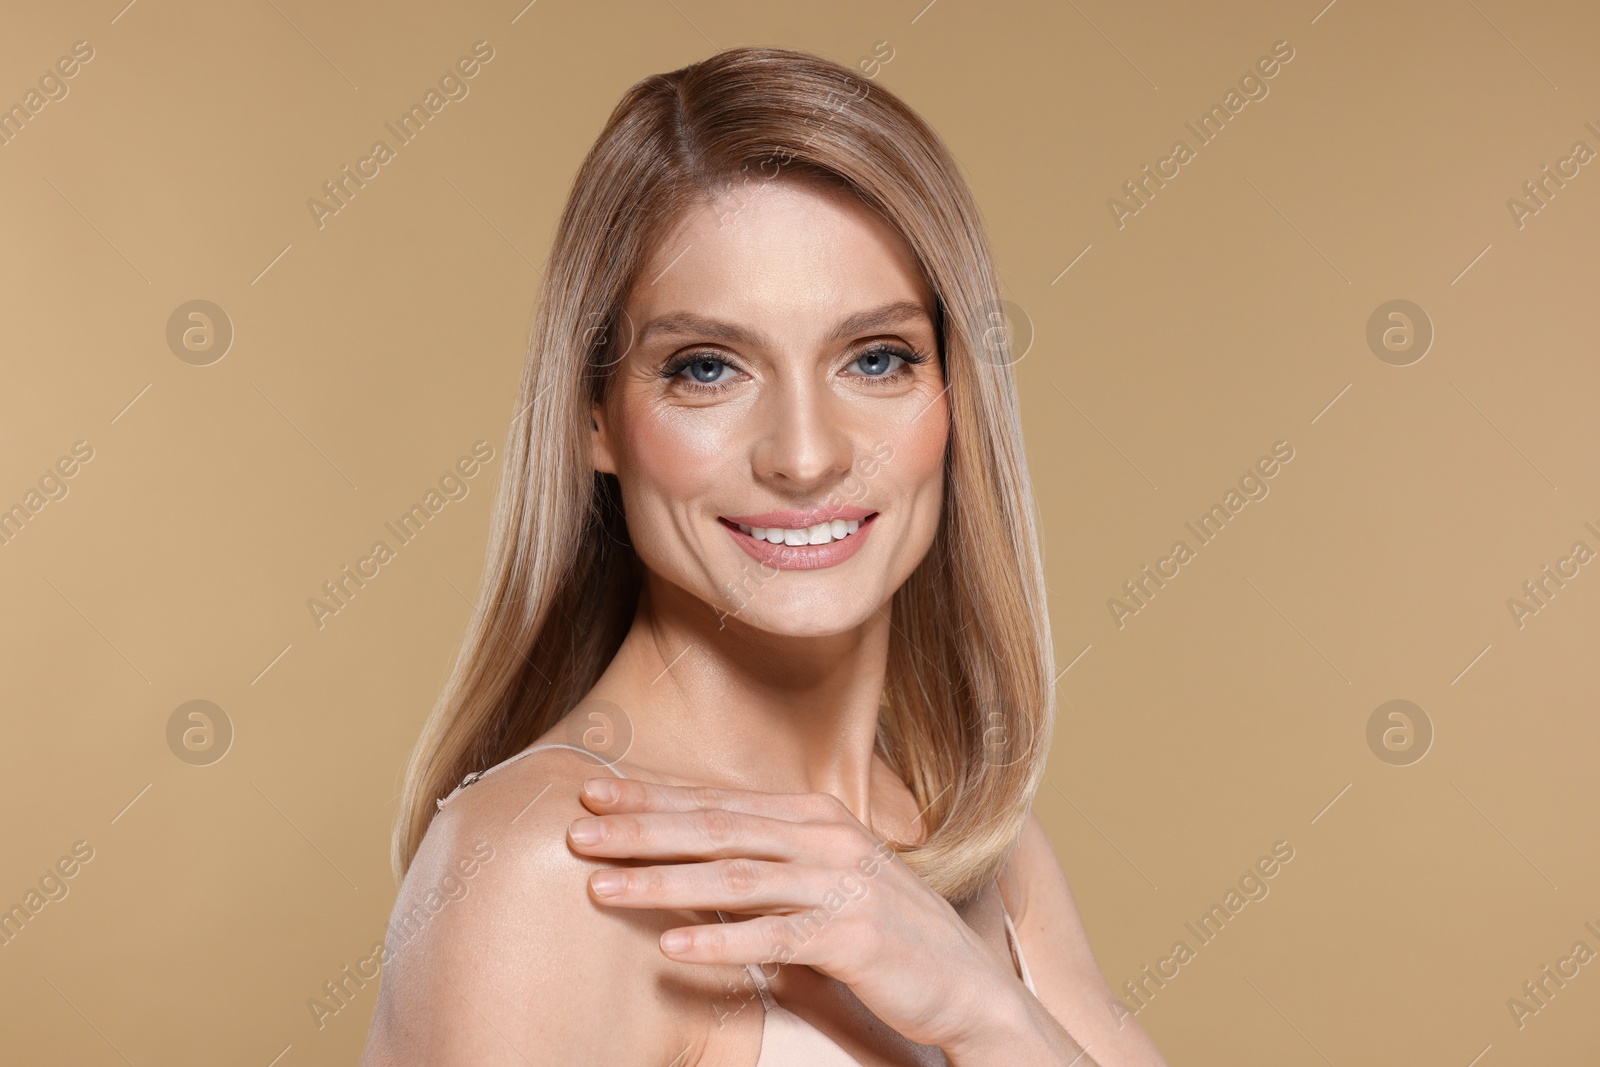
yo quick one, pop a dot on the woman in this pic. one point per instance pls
(763, 562)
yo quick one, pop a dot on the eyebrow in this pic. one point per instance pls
(684, 322)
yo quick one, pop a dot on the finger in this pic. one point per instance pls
(631, 794)
(764, 940)
(716, 833)
(742, 886)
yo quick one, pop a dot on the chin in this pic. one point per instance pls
(828, 609)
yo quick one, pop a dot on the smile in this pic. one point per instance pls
(821, 534)
(825, 543)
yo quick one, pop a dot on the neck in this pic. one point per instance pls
(715, 700)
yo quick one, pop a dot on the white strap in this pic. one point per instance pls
(754, 970)
(1016, 951)
(475, 775)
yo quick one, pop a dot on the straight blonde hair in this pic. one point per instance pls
(968, 692)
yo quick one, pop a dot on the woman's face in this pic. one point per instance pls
(781, 378)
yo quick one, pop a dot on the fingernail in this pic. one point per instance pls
(608, 883)
(674, 941)
(601, 789)
(587, 831)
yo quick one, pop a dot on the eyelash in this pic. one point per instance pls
(908, 357)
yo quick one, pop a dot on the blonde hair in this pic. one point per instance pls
(968, 700)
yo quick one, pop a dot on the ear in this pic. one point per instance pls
(600, 451)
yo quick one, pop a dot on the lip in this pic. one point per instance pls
(796, 519)
(803, 557)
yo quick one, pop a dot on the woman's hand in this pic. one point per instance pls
(824, 890)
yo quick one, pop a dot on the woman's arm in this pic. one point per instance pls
(1060, 962)
(497, 955)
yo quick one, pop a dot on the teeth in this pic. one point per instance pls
(820, 534)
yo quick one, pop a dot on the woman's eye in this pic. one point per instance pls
(706, 371)
(883, 361)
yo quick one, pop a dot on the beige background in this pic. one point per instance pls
(1230, 313)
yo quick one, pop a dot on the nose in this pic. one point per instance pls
(806, 443)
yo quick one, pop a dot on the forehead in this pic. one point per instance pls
(783, 256)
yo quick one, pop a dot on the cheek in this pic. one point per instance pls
(919, 452)
(670, 460)
(671, 450)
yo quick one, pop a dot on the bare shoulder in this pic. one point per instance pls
(1061, 962)
(496, 952)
